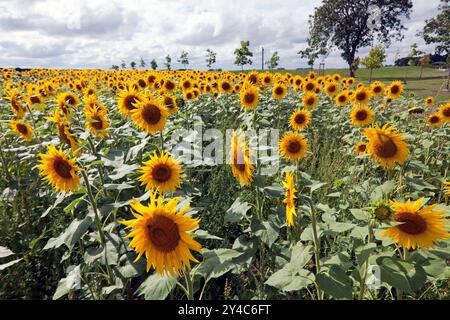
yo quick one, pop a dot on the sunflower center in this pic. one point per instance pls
(279, 91)
(300, 118)
(14, 104)
(434, 119)
(142, 83)
(446, 112)
(226, 86)
(377, 89)
(253, 79)
(35, 99)
(97, 123)
(310, 102)
(163, 233)
(249, 97)
(395, 89)
(294, 147)
(342, 98)
(70, 100)
(161, 173)
(413, 223)
(361, 96)
(362, 148)
(309, 86)
(128, 102)
(62, 134)
(385, 147)
(22, 128)
(62, 168)
(361, 115)
(169, 85)
(151, 114)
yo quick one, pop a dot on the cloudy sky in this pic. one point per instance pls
(99, 33)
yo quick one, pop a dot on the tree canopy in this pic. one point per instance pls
(437, 29)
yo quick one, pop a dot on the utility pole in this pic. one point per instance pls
(262, 58)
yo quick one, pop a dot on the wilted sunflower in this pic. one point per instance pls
(386, 146)
(162, 233)
(279, 90)
(429, 101)
(58, 170)
(419, 227)
(395, 89)
(434, 120)
(293, 146)
(150, 115)
(97, 121)
(444, 111)
(241, 166)
(361, 148)
(170, 103)
(342, 98)
(127, 101)
(300, 119)
(289, 198)
(161, 172)
(361, 96)
(249, 97)
(16, 100)
(22, 129)
(361, 116)
(310, 100)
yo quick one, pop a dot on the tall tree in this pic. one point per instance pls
(424, 61)
(210, 58)
(346, 25)
(273, 62)
(133, 65)
(184, 60)
(437, 31)
(243, 55)
(115, 67)
(142, 63)
(123, 64)
(312, 54)
(153, 64)
(374, 60)
(168, 62)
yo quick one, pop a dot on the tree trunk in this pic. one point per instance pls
(370, 76)
(350, 69)
(448, 77)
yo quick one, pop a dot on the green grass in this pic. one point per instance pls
(431, 83)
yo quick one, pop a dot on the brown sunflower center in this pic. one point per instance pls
(300, 118)
(62, 134)
(169, 85)
(35, 99)
(22, 128)
(168, 102)
(385, 147)
(361, 96)
(142, 83)
(266, 80)
(310, 101)
(129, 101)
(249, 97)
(331, 89)
(163, 233)
(446, 111)
(62, 168)
(362, 148)
(377, 89)
(395, 89)
(361, 115)
(413, 223)
(151, 114)
(70, 100)
(226, 86)
(294, 146)
(97, 123)
(434, 119)
(161, 173)
(253, 79)
(309, 86)
(279, 91)
(342, 99)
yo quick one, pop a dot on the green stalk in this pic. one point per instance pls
(189, 285)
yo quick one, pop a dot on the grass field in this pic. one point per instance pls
(431, 83)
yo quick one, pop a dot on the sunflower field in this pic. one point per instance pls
(195, 185)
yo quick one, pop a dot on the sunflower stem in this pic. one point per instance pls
(98, 223)
(189, 285)
(5, 164)
(162, 141)
(34, 124)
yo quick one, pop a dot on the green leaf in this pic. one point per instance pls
(217, 262)
(383, 190)
(266, 231)
(121, 186)
(205, 235)
(157, 287)
(70, 283)
(8, 264)
(301, 255)
(360, 214)
(274, 191)
(71, 235)
(363, 252)
(237, 211)
(5, 252)
(290, 279)
(335, 282)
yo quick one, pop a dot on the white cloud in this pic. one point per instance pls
(98, 33)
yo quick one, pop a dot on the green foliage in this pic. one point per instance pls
(243, 54)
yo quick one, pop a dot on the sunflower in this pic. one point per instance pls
(429, 101)
(127, 100)
(266, 79)
(241, 166)
(377, 88)
(310, 86)
(395, 89)
(58, 170)
(361, 116)
(17, 106)
(293, 146)
(289, 198)
(170, 103)
(386, 146)
(225, 86)
(418, 227)
(67, 98)
(21, 128)
(168, 86)
(434, 120)
(189, 94)
(161, 172)
(253, 78)
(300, 119)
(161, 231)
(310, 100)
(331, 88)
(249, 97)
(361, 148)
(361, 96)
(444, 111)
(447, 188)
(342, 98)
(279, 90)
(97, 121)
(150, 115)
(66, 136)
